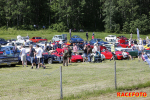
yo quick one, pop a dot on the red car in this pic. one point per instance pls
(74, 58)
(108, 54)
(125, 45)
(37, 39)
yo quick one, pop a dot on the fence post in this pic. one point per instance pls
(61, 92)
(115, 74)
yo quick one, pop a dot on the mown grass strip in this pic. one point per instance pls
(95, 93)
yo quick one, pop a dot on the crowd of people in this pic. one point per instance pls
(67, 50)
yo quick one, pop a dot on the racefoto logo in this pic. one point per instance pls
(131, 94)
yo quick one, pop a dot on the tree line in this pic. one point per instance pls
(89, 15)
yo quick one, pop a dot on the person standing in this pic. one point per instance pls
(27, 36)
(89, 51)
(129, 42)
(140, 41)
(39, 57)
(45, 47)
(75, 49)
(85, 53)
(140, 51)
(23, 56)
(69, 54)
(65, 55)
(32, 56)
(87, 36)
(147, 40)
(15, 49)
(113, 51)
(93, 34)
(135, 42)
(144, 42)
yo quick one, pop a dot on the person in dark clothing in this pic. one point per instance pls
(50, 42)
(69, 54)
(144, 42)
(135, 42)
(32, 56)
(87, 36)
(89, 51)
(65, 55)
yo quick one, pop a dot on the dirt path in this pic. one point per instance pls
(113, 96)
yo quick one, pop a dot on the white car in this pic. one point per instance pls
(117, 47)
(110, 37)
(57, 38)
(21, 39)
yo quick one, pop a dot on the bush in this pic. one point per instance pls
(60, 27)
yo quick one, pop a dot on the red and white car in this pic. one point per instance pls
(108, 54)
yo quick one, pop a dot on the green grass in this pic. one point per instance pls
(80, 80)
(11, 33)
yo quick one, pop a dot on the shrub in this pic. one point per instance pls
(60, 27)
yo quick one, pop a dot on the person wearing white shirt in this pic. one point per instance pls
(39, 53)
(140, 41)
(23, 56)
(140, 51)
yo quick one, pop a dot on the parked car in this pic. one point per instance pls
(3, 42)
(108, 54)
(11, 40)
(76, 39)
(21, 39)
(134, 53)
(37, 39)
(100, 41)
(8, 50)
(10, 60)
(76, 58)
(125, 45)
(110, 37)
(122, 37)
(57, 38)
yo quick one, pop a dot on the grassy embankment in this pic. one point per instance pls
(11, 33)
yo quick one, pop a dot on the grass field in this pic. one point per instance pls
(80, 80)
(11, 33)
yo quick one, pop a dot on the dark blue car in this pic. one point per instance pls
(76, 39)
(2, 41)
(10, 60)
(8, 50)
(47, 58)
(100, 41)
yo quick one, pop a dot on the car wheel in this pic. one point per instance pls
(106, 39)
(13, 65)
(50, 61)
(126, 46)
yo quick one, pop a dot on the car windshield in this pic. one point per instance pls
(25, 37)
(2, 39)
(99, 40)
(38, 38)
(117, 45)
(2, 48)
(75, 36)
(60, 37)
